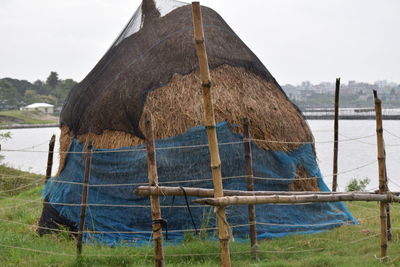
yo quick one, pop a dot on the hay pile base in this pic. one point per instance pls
(107, 140)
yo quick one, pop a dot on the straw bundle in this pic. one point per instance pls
(303, 185)
(108, 140)
(237, 93)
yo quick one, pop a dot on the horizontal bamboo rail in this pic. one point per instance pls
(203, 192)
(246, 200)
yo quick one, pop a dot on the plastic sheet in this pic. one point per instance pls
(192, 164)
(136, 22)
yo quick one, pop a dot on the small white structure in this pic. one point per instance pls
(43, 107)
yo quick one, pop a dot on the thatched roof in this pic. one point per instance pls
(112, 96)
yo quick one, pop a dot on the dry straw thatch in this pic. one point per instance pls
(303, 185)
(108, 140)
(237, 93)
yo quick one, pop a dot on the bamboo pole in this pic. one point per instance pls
(209, 119)
(154, 199)
(382, 174)
(389, 223)
(50, 158)
(88, 163)
(203, 192)
(250, 187)
(246, 200)
(336, 137)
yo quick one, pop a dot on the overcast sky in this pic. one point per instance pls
(297, 40)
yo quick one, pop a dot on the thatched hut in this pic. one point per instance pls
(152, 67)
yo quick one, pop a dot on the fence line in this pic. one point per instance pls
(17, 205)
(183, 206)
(182, 230)
(38, 251)
(363, 142)
(392, 134)
(209, 179)
(22, 177)
(23, 186)
(34, 146)
(312, 142)
(189, 146)
(103, 204)
(26, 176)
(360, 206)
(147, 255)
(283, 251)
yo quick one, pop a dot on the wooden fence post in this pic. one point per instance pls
(209, 118)
(382, 174)
(336, 137)
(157, 223)
(389, 223)
(250, 186)
(50, 158)
(85, 187)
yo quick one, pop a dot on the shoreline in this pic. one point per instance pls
(28, 126)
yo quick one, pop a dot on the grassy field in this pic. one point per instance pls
(357, 245)
(10, 186)
(9, 117)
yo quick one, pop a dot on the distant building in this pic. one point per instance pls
(43, 107)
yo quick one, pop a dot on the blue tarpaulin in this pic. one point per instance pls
(124, 218)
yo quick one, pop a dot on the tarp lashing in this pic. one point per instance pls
(184, 164)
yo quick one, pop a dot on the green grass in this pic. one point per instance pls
(345, 246)
(8, 117)
(14, 181)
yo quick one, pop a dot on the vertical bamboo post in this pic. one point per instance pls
(154, 199)
(389, 223)
(250, 187)
(336, 137)
(50, 158)
(223, 227)
(85, 187)
(382, 174)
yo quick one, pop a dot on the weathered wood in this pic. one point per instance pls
(389, 223)
(250, 187)
(209, 121)
(336, 137)
(203, 192)
(85, 187)
(50, 158)
(382, 174)
(154, 199)
(246, 200)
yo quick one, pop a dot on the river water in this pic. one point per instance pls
(357, 150)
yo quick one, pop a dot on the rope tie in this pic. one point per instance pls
(230, 233)
(188, 208)
(163, 224)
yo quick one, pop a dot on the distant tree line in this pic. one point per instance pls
(16, 93)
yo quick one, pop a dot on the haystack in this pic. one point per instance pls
(152, 68)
